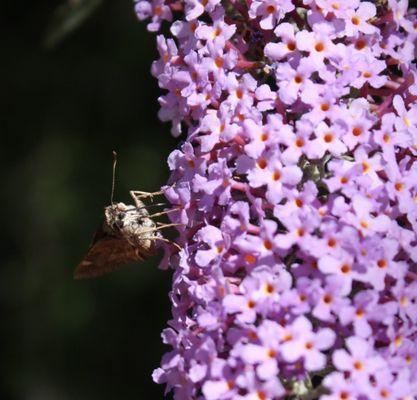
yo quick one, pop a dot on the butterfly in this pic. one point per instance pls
(127, 234)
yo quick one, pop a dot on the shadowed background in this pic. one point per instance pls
(66, 102)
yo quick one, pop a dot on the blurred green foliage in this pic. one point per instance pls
(68, 17)
(64, 108)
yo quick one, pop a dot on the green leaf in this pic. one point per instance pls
(67, 18)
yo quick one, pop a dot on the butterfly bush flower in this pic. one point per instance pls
(295, 188)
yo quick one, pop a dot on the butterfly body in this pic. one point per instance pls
(127, 234)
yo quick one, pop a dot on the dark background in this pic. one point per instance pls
(66, 101)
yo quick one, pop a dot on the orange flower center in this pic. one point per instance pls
(355, 20)
(276, 176)
(398, 340)
(291, 46)
(345, 268)
(309, 345)
(219, 62)
(269, 288)
(252, 335)
(328, 137)
(360, 44)
(364, 224)
(270, 9)
(399, 186)
(251, 304)
(300, 232)
(262, 163)
(344, 395)
(261, 395)
(298, 79)
(250, 258)
(365, 167)
(299, 142)
(327, 298)
(357, 365)
(331, 242)
(272, 353)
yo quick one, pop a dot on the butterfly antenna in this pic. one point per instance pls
(114, 176)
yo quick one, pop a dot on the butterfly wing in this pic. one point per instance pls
(107, 253)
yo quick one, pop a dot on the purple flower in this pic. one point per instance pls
(294, 82)
(264, 356)
(296, 193)
(407, 119)
(301, 342)
(388, 387)
(217, 128)
(361, 313)
(268, 171)
(369, 70)
(360, 362)
(340, 387)
(327, 139)
(195, 8)
(318, 43)
(214, 239)
(287, 47)
(158, 11)
(329, 299)
(270, 11)
(357, 20)
(337, 8)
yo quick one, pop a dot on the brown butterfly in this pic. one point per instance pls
(128, 233)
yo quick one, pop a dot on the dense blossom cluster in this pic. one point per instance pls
(297, 189)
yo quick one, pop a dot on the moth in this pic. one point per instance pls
(127, 234)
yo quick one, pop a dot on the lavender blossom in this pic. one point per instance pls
(296, 188)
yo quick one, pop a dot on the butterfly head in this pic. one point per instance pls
(118, 214)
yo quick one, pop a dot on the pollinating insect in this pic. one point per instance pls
(127, 234)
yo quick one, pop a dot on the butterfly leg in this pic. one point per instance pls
(158, 228)
(137, 194)
(164, 240)
(163, 213)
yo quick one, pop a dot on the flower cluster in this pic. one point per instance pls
(296, 188)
